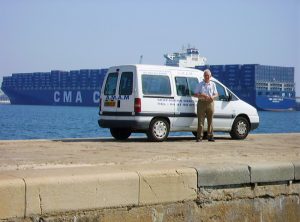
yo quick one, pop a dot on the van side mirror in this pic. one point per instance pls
(229, 98)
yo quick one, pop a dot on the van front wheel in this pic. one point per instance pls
(240, 128)
(158, 130)
(120, 134)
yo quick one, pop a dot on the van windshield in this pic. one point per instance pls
(111, 84)
(223, 93)
(156, 85)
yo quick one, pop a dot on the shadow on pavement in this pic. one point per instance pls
(135, 139)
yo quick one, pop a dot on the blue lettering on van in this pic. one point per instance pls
(120, 97)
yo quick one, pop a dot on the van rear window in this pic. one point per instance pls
(126, 82)
(156, 85)
(111, 84)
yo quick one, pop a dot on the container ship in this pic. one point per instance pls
(265, 87)
(270, 88)
(70, 88)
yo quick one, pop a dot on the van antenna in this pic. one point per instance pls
(141, 59)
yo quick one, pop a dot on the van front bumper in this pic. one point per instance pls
(128, 124)
(254, 126)
(254, 120)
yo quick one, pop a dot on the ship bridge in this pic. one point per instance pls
(189, 58)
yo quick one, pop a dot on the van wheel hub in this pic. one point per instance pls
(241, 128)
(160, 129)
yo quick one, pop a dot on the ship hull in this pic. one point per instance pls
(80, 97)
(268, 103)
(87, 97)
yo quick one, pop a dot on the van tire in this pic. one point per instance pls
(120, 133)
(158, 130)
(240, 128)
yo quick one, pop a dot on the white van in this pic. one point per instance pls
(158, 99)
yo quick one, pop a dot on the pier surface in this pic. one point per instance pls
(137, 152)
(47, 178)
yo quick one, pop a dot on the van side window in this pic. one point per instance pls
(222, 92)
(193, 82)
(126, 81)
(182, 87)
(156, 85)
(185, 86)
(111, 84)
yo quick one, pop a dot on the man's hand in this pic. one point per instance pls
(204, 96)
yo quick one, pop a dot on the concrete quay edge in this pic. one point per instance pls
(297, 169)
(222, 174)
(12, 197)
(49, 191)
(271, 172)
(24, 195)
(236, 174)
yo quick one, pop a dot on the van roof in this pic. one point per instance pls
(161, 67)
(154, 67)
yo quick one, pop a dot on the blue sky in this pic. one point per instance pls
(42, 35)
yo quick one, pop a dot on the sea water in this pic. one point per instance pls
(55, 122)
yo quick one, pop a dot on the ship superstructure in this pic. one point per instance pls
(190, 58)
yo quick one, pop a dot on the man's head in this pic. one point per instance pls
(206, 75)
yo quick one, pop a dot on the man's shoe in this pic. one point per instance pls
(211, 140)
(198, 140)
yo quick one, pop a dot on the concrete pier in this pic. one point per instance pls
(257, 179)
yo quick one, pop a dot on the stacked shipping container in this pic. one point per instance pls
(56, 79)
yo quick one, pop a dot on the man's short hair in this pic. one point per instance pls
(207, 71)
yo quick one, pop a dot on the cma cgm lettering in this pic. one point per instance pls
(76, 97)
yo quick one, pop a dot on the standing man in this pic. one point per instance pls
(206, 92)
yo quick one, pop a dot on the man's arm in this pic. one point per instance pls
(215, 93)
(213, 96)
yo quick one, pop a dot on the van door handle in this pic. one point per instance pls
(118, 105)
